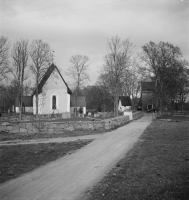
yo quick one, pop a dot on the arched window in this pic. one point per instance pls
(54, 102)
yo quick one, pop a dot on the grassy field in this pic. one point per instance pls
(12, 136)
(16, 160)
(174, 118)
(156, 168)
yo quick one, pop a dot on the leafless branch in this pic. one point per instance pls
(41, 56)
(20, 58)
(4, 55)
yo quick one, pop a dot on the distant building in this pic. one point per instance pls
(124, 103)
(147, 95)
(54, 93)
(80, 104)
(148, 99)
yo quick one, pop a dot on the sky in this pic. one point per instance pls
(73, 27)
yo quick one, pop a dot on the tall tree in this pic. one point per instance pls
(41, 56)
(3, 100)
(20, 57)
(165, 65)
(98, 98)
(8, 95)
(78, 73)
(132, 81)
(4, 55)
(177, 82)
(184, 84)
(117, 61)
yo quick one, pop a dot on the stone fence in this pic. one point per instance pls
(137, 115)
(31, 117)
(65, 126)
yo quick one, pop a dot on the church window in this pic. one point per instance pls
(54, 102)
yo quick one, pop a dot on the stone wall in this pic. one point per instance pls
(137, 115)
(60, 127)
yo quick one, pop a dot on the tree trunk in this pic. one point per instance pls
(20, 110)
(37, 105)
(172, 106)
(20, 103)
(37, 96)
(161, 106)
(75, 111)
(116, 106)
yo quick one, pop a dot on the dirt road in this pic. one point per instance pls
(68, 177)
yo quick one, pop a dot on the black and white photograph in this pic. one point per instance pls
(94, 100)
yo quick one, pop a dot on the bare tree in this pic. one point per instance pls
(20, 57)
(132, 81)
(78, 73)
(131, 86)
(164, 63)
(117, 61)
(4, 55)
(41, 55)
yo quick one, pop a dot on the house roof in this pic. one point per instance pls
(147, 86)
(47, 75)
(26, 101)
(125, 100)
(80, 101)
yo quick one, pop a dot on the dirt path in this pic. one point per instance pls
(68, 177)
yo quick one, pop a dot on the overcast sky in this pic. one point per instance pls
(83, 27)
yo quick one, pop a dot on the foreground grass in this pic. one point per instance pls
(12, 136)
(156, 168)
(16, 160)
(174, 118)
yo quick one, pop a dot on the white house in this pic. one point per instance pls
(54, 93)
(124, 106)
(124, 103)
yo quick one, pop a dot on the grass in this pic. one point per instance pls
(156, 168)
(175, 118)
(12, 136)
(16, 160)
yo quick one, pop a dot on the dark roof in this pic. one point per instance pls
(147, 86)
(80, 101)
(125, 100)
(26, 101)
(47, 75)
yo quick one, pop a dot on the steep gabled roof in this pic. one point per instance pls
(47, 75)
(80, 101)
(125, 100)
